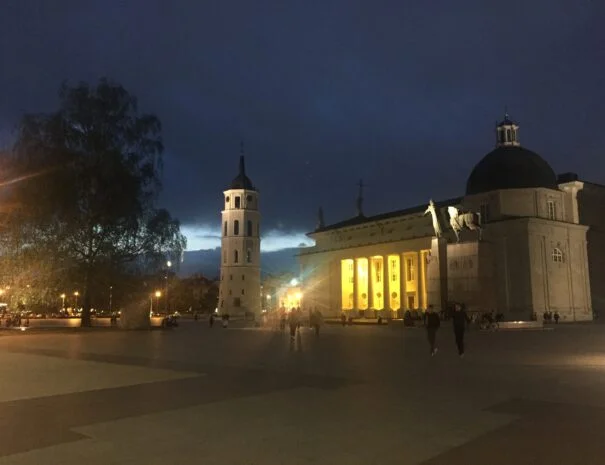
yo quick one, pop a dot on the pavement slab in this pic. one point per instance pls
(354, 395)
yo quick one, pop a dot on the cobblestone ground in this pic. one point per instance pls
(354, 395)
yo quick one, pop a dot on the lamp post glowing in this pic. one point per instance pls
(63, 303)
(76, 305)
(158, 294)
(168, 265)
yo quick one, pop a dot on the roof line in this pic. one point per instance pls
(355, 221)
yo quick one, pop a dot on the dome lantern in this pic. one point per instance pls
(507, 133)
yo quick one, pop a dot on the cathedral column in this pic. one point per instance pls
(355, 299)
(369, 312)
(386, 297)
(403, 295)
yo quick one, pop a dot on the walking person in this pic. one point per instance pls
(211, 320)
(317, 320)
(294, 322)
(557, 318)
(459, 319)
(432, 325)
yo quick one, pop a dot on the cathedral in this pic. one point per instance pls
(521, 241)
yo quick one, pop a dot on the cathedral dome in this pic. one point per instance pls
(510, 166)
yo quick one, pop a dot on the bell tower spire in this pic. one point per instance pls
(507, 132)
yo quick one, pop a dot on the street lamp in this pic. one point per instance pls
(158, 294)
(76, 294)
(110, 289)
(63, 304)
(168, 264)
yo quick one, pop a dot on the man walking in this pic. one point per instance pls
(432, 325)
(459, 319)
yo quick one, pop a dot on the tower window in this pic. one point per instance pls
(249, 199)
(225, 229)
(230, 277)
(557, 255)
(243, 277)
(235, 257)
(508, 138)
(552, 210)
(237, 202)
(249, 233)
(224, 257)
(237, 302)
(236, 228)
(227, 199)
(242, 292)
(248, 256)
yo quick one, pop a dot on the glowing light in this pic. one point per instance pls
(299, 295)
(158, 294)
(294, 282)
(168, 263)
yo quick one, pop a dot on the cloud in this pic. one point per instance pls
(203, 237)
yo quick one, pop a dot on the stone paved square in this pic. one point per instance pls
(353, 395)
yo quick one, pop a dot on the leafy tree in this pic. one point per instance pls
(90, 178)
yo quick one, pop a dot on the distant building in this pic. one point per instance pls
(240, 292)
(542, 247)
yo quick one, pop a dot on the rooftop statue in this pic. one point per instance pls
(433, 211)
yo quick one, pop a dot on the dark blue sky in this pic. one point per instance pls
(403, 94)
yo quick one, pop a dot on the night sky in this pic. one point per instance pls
(404, 94)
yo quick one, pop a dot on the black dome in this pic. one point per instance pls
(510, 167)
(241, 181)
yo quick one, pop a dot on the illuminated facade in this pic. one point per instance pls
(240, 290)
(543, 239)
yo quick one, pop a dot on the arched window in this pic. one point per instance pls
(225, 229)
(249, 233)
(237, 202)
(557, 255)
(224, 257)
(248, 256)
(236, 227)
(235, 257)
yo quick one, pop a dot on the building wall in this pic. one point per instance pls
(470, 275)
(560, 282)
(591, 199)
(514, 203)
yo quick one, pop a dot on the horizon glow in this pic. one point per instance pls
(203, 237)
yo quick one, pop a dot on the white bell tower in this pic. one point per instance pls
(240, 248)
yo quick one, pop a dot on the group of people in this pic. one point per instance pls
(459, 321)
(295, 319)
(549, 317)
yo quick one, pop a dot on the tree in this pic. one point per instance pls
(91, 175)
